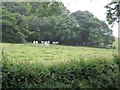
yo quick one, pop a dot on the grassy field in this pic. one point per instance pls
(57, 66)
(53, 54)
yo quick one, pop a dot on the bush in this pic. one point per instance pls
(116, 59)
(73, 74)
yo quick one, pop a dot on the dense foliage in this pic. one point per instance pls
(74, 74)
(113, 11)
(25, 22)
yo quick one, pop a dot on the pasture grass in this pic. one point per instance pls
(53, 54)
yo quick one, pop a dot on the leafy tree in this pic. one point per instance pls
(47, 9)
(23, 8)
(113, 11)
(11, 28)
(93, 30)
(66, 29)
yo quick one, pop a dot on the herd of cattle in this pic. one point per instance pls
(45, 42)
(57, 43)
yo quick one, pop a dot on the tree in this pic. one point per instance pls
(9, 27)
(12, 28)
(23, 8)
(66, 29)
(113, 11)
(52, 21)
(93, 30)
(47, 9)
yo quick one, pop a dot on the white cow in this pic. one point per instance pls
(53, 43)
(36, 42)
(42, 42)
(48, 42)
(45, 42)
(57, 43)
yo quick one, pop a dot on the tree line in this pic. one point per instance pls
(28, 21)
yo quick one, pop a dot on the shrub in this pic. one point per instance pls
(73, 74)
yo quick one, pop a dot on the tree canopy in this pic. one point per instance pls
(28, 21)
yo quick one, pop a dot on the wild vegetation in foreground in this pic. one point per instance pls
(75, 73)
(55, 66)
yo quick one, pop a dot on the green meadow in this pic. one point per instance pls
(57, 66)
(53, 54)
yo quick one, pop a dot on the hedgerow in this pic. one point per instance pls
(72, 74)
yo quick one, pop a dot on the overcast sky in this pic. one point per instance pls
(96, 7)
